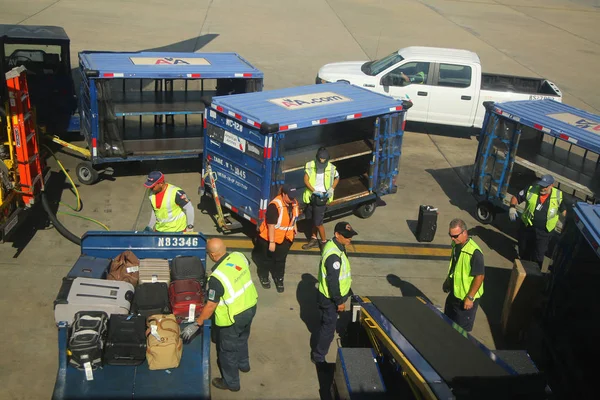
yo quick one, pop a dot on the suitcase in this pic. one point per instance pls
(126, 340)
(186, 299)
(90, 267)
(187, 267)
(87, 339)
(86, 294)
(154, 270)
(427, 223)
(151, 298)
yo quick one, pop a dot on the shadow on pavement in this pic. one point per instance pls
(407, 289)
(442, 130)
(496, 241)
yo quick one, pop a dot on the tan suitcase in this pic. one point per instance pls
(154, 270)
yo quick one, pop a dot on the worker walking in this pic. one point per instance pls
(320, 178)
(232, 298)
(464, 283)
(334, 280)
(543, 204)
(276, 235)
(172, 210)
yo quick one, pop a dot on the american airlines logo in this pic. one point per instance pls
(309, 100)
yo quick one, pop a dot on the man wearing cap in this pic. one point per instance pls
(334, 287)
(543, 204)
(276, 235)
(172, 211)
(320, 178)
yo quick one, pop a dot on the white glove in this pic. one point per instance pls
(189, 331)
(330, 192)
(512, 214)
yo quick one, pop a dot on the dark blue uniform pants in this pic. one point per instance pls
(326, 332)
(454, 310)
(232, 349)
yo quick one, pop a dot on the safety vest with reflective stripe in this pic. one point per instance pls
(533, 193)
(311, 170)
(461, 276)
(240, 293)
(169, 217)
(284, 228)
(345, 277)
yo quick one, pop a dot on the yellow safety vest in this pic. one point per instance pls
(345, 277)
(461, 276)
(311, 170)
(533, 193)
(169, 217)
(240, 293)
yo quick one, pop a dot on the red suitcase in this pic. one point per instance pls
(186, 299)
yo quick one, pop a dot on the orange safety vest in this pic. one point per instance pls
(284, 228)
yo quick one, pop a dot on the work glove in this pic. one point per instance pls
(329, 192)
(512, 214)
(189, 332)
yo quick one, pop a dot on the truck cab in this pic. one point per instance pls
(446, 86)
(45, 52)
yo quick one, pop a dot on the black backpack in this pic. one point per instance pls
(88, 333)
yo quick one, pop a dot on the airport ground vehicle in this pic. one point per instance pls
(447, 86)
(255, 142)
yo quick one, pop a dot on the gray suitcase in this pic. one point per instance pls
(88, 294)
(154, 270)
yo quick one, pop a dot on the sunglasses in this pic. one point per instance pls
(455, 236)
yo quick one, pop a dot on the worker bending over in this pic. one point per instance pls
(172, 210)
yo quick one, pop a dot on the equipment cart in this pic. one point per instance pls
(191, 380)
(522, 140)
(256, 142)
(148, 106)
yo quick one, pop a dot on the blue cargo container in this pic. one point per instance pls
(257, 141)
(191, 380)
(522, 140)
(149, 106)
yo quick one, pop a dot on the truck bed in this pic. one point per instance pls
(518, 84)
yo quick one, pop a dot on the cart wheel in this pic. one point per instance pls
(86, 173)
(365, 210)
(485, 213)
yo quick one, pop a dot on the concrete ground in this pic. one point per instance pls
(289, 41)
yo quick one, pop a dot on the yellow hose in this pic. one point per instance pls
(74, 187)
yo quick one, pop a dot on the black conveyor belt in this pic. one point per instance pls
(459, 362)
(446, 350)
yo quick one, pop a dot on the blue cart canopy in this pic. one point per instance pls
(167, 65)
(557, 119)
(588, 221)
(305, 106)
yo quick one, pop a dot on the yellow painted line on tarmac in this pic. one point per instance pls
(361, 249)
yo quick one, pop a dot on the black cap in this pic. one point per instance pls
(344, 229)
(323, 153)
(289, 190)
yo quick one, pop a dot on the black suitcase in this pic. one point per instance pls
(86, 342)
(151, 298)
(126, 341)
(187, 267)
(90, 267)
(427, 223)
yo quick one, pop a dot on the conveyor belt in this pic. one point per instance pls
(446, 350)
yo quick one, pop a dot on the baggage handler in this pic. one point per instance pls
(232, 299)
(172, 210)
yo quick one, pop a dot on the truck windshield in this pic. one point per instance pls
(375, 67)
(37, 58)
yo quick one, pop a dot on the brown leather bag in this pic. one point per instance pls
(125, 267)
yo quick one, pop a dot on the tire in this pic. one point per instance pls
(365, 210)
(485, 213)
(86, 173)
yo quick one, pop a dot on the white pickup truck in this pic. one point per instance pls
(446, 86)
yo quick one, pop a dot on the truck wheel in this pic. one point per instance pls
(485, 212)
(86, 173)
(365, 210)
